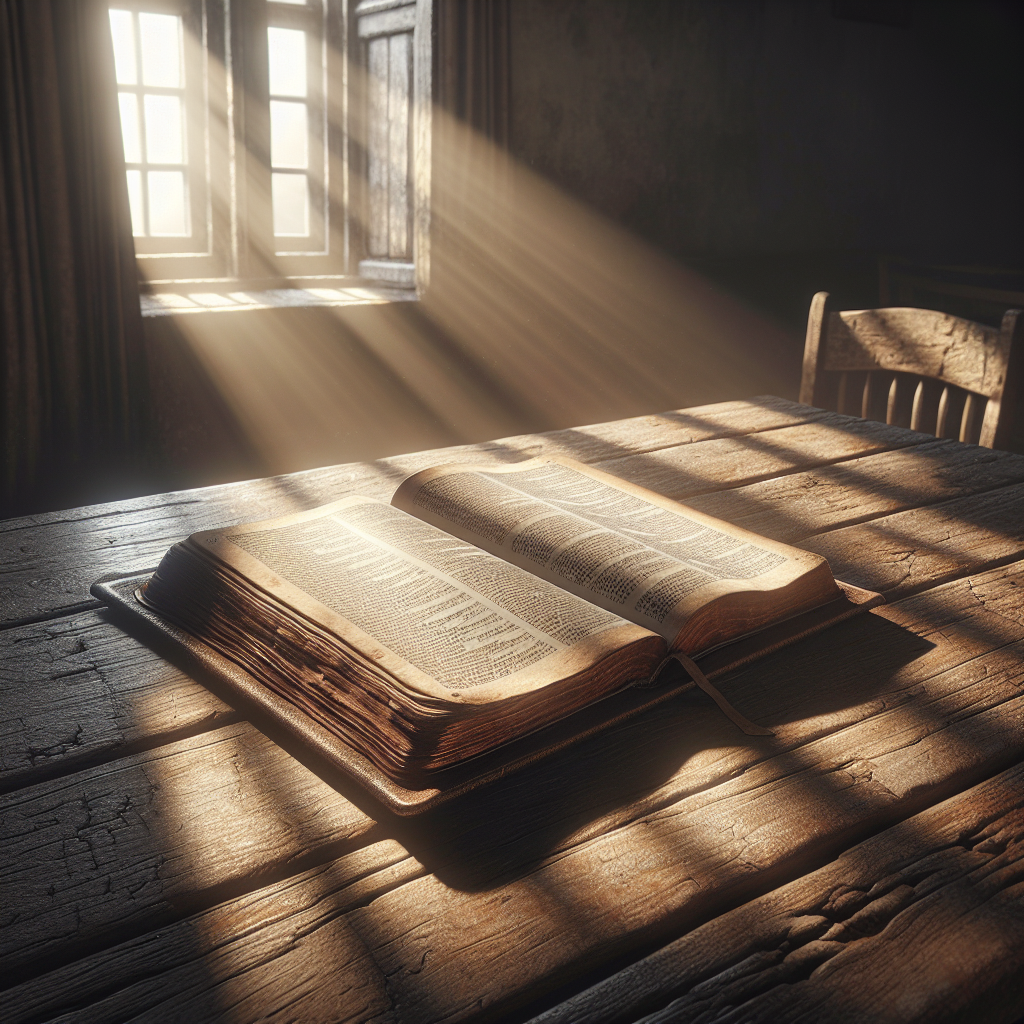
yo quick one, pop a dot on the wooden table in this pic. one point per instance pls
(164, 860)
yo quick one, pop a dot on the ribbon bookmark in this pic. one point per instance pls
(714, 693)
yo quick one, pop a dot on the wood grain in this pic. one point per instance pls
(268, 946)
(57, 560)
(715, 465)
(938, 345)
(116, 696)
(868, 937)
(94, 670)
(377, 59)
(422, 120)
(683, 865)
(876, 663)
(83, 691)
(48, 562)
(918, 367)
(125, 847)
(911, 551)
(888, 736)
(794, 507)
(399, 94)
(213, 877)
(449, 955)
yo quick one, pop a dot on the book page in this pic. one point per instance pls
(458, 615)
(644, 557)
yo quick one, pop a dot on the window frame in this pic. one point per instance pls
(228, 95)
(199, 254)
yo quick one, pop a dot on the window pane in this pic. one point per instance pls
(168, 214)
(289, 132)
(164, 143)
(161, 49)
(124, 46)
(129, 104)
(287, 50)
(135, 202)
(291, 204)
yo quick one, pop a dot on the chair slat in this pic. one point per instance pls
(970, 422)
(917, 413)
(919, 341)
(940, 420)
(892, 401)
(916, 367)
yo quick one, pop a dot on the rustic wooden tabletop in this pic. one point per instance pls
(164, 860)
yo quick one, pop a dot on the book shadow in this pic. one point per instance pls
(661, 757)
(503, 829)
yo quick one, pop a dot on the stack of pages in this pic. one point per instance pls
(483, 603)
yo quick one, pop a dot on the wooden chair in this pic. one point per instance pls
(916, 368)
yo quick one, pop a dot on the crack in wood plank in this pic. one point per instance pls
(828, 945)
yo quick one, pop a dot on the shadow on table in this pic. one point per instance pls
(503, 829)
(686, 745)
(627, 790)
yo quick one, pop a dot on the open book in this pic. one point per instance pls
(482, 604)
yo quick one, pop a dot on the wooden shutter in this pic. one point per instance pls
(394, 36)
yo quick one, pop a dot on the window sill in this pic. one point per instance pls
(177, 303)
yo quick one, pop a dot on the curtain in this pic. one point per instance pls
(471, 126)
(70, 318)
(472, 65)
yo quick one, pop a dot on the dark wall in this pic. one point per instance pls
(776, 145)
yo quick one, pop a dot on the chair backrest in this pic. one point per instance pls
(918, 368)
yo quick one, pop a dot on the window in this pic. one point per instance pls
(236, 120)
(164, 134)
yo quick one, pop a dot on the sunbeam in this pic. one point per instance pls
(538, 313)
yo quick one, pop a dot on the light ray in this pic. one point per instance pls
(540, 313)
